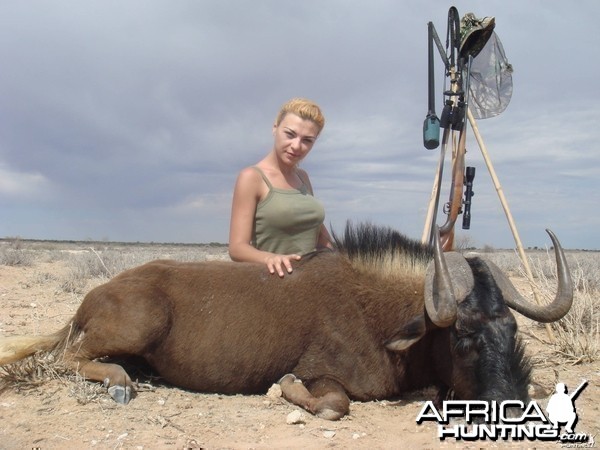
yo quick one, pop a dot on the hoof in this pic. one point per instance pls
(120, 394)
(291, 377)
(330, 414)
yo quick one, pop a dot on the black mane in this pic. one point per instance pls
(367, 241)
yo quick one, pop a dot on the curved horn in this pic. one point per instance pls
(447, 282)
(541, 313)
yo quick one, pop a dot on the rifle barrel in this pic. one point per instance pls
(579, 389)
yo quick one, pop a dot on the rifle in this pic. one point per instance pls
(453, 120)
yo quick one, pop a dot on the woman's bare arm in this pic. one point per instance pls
(248, 190)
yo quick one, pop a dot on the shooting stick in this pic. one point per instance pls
(458, 152)
(511, 222)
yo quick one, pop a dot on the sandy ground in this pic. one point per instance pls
(69, 414)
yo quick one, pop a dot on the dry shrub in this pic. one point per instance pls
(89, 264)
(75, 281)
(577, 335)
(507, 260)
(15, 257)
(13, 253)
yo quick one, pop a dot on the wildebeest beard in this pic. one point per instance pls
(489, 356)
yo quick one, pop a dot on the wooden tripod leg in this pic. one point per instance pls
(435, 194)
(509, 217)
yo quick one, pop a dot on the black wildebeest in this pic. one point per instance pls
(380, 316)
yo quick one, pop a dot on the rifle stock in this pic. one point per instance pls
(454, 204)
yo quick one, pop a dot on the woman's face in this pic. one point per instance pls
(294, 138)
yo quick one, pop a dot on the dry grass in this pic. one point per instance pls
(577, 335)
(13, 253)
(38, 369)
(91, 264)
(28, 374)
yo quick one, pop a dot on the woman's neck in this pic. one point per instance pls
(274, 163)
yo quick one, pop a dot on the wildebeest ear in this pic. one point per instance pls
(401, 343)
(408, 334)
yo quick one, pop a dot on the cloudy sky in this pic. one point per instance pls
(129, 120)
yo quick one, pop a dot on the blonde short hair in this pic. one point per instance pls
(303, 108)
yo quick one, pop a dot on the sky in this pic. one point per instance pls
(130, 120)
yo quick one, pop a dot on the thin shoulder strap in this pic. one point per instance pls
(264, 177)
(308, 188)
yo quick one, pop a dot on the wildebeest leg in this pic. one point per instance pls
(325, 399)
(114, 377)
(120, 318)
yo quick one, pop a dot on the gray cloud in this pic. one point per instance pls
(130, 120)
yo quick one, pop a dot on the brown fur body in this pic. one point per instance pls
(234, 328)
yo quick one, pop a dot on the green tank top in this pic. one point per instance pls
(287, 220)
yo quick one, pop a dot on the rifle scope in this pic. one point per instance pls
(469, 177)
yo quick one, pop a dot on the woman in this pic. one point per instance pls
(274, 217)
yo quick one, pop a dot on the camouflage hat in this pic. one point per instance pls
(474, 34)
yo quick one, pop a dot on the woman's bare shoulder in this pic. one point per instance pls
(250, 183)
(249, 175)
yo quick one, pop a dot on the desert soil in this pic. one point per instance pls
(64, 413)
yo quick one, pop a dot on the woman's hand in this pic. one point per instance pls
(281, 263)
